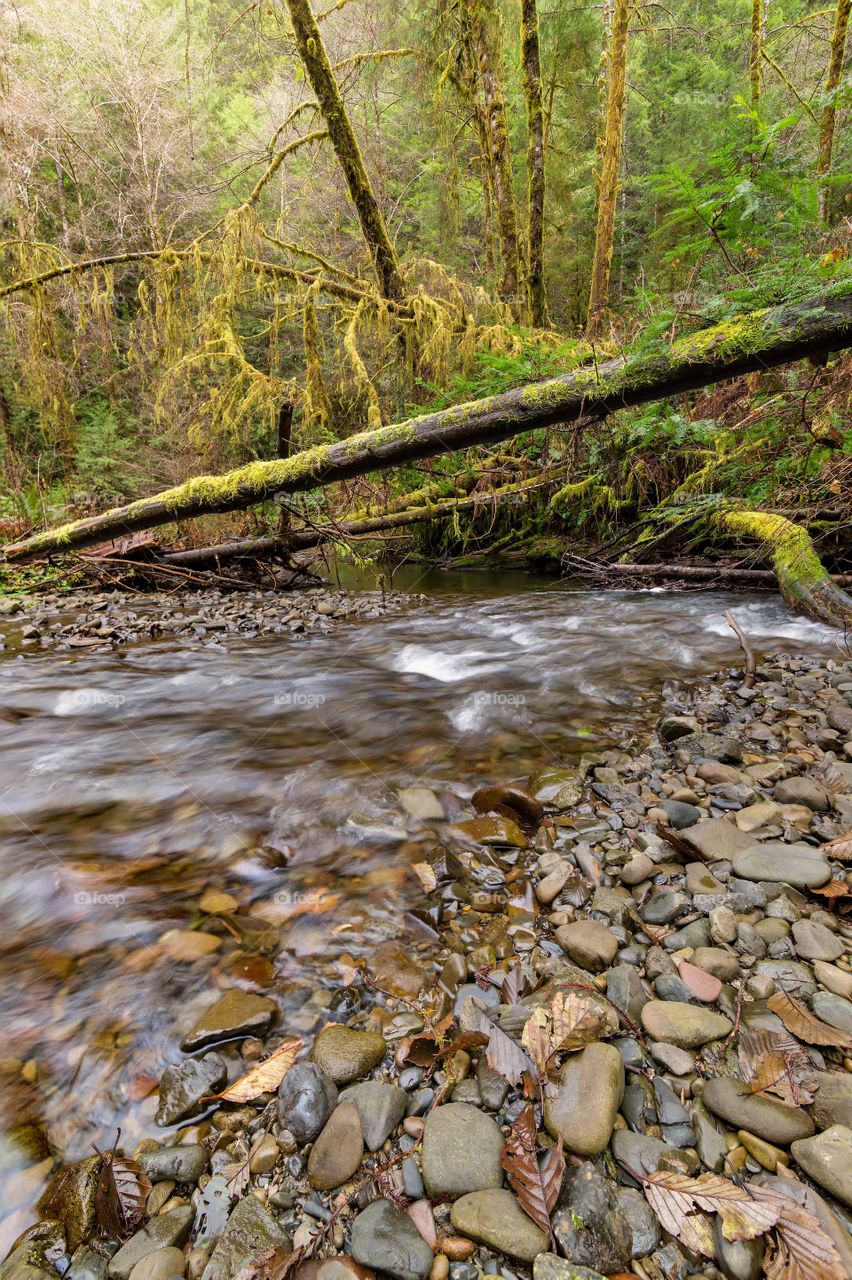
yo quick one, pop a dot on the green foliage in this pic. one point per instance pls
(104, 453)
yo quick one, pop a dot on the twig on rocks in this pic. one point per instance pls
(745, 645)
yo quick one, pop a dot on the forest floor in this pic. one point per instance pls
(637, 968)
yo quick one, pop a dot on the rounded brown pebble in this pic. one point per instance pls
(413, 1126)
(457, 1248)
(338, 1150)
(440, 1268)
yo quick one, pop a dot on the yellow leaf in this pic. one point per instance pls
(267, 1075)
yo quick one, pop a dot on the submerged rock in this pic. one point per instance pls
(236, 1013)
(184, 1087)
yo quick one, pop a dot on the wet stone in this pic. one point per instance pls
(589, 1093)
(182, 1163)
(641, 1220)
(590, 1226)
(380, 1106)
(306, 1098)
(345, 1054)
(833, 1101)
(338, 1150)
(549, 1266)
(183, 1087)
(462, 1149)
(166, 1230)
(251, 1231)
(494, 1218)
(493, 1087)
(827, 1158)
(833, 1009)
(237, 1013)
(798, 865)
(162, 1264)
(626, 990)
(687, 1025)
(760, 1114)
(384, 1237)
(588, 943)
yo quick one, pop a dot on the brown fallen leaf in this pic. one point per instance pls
(576, 1022)
(426, 875)
(121, 1195)
(798, 1018)
(802, 1249)
(776, 1064)
(841, 848)
(834, 889)
(831, 777)
(537, 1039)
(536, 1183)
(267, 1075)
(681, 1203)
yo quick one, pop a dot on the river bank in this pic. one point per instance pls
(674, 884)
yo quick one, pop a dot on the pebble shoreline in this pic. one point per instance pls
(679, 886)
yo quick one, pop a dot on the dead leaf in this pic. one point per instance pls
(426, 875)
(121, 1195)
(267, 1075)
(776, 1064)
(682, 1203)
(841, 848)
(803, 1251)
(834, 889)
(537, 1040)
(831, 777)
(576, 1022)
(503, 1053)
(535, 1183)
(798, 1018)
(515, 985)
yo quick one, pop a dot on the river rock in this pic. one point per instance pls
(345, 1054)
(687, 1025)
(641, 1220)
(338, 1150)
(715, 839)
(183, 1087)
(589, 1094)
(421, 803)
(549, 1266)
(626, 990)
(184, 1163)
(803, 791)
(834, 1010)
(588, 943)
(813, 941)
(381, 1107)
(384, 1237)
(494, 1218)
(306, 1098)
(165, 1231)
(249, 1232)
(462, 1149)
(732, 1101)
(590, 1227)
(827, 1158)
(236, 1013)
(834, 979)
(71, 1199)
(738, 1259)
(833, 1101)
(162, 1264)
(799, 865)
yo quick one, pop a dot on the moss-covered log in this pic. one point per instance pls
(802, 578)
(772, 336)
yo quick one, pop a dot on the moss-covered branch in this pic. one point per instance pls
(760, 339)
(802, 578)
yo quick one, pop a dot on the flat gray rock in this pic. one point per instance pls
(384, 1237)
(827, 1159)
(183, 1087)
(166, 1229)
(381, 1107)
(249, 1232)
(495, 1219)
(799, 865)
(766, 1117)
(236, 1013)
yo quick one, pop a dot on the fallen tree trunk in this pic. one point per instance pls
(707, 573)
(802, 579)
(763, 338)
(304, 539)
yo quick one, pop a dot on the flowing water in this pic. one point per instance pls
(134, 781)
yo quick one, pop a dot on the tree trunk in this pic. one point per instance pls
(755, 52)
(531, 63)
(485, 29)
(312, 52)
(611, 163)
(756, 340)
(802, 579)
(829, 111)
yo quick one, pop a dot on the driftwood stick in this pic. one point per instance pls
(745, 646)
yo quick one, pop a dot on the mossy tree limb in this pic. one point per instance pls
(757, 340)
(319, 71)
(802, 578)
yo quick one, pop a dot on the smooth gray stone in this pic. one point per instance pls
(384, 1237)
(166, 1229)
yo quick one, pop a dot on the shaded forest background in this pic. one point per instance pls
(190, 132)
